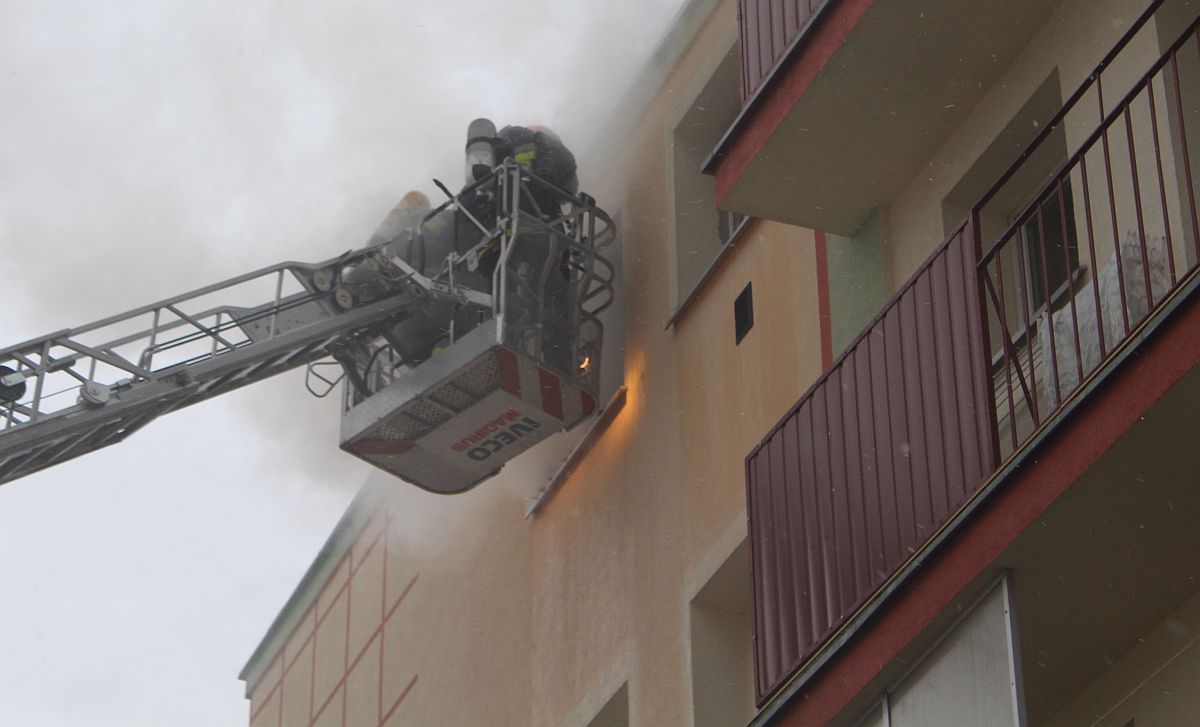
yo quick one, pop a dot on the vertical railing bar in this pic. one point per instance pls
(776, 623)
(1112, 204)
(833, 519)
(1187, 161)
(1087, 211)
(1137, 206)
(821, 616)
(765, 50)
(891, 439)
(756, 581)
(937, 376)
(275, 308)
(35, 405)
(865, 342)
(921, 412)
(767, 533)
(1004, 346)
(855, 556)
(785, 567)
(1062, 213)
(1049, 302)
(813, 570)
(216, 327)
(1026, 314)
(776, 23)
(979, 399)
(1162, 184)
(147, 357)
(956, 365)
(904, 413)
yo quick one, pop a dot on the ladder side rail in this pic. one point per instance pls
(62, 352)
(180, 386)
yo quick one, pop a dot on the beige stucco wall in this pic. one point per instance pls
(512, 621)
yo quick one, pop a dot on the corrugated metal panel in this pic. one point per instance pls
(869, 463)
(767, 29)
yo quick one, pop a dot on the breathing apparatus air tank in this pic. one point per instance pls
(481, 149)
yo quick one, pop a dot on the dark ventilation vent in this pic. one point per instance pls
(743, 313)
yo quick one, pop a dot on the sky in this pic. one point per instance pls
(150, 147)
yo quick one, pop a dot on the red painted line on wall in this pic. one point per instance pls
(341, 590)
(346, 644)
(282, 660)
(280, 721)
(312, 673)
(349, 667)
(400, 599)
(312, 609)
(262, 704)
(399, 699)
(387, 525)
(823, 306)
(1106, 415)
(551, 393)
(795, 75)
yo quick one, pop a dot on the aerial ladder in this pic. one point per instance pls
(451, 366)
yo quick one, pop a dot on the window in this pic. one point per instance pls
(1051, 243)
(1047, 225)
(701, 230)
(969, 677)
(722, 630)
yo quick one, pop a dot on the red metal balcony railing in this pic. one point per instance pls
(977, 353)
(1099, 249)
(868, 464)
(767, 29)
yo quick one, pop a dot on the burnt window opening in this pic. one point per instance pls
(701, 230)
(743, 313)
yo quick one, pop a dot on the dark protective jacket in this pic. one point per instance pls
(543, 152)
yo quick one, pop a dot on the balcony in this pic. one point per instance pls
(1010, 325)
(767, 29)
(840, 113)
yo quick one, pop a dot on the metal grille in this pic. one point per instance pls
(426, 412)
(453, 397)
(400, 428)
(481, 379)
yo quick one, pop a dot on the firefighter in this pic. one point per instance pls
(404, 218)
(542, 152)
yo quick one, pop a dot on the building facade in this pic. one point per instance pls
(899, 391)
(980, 513)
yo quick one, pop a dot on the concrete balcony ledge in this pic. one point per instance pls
(867, 94)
